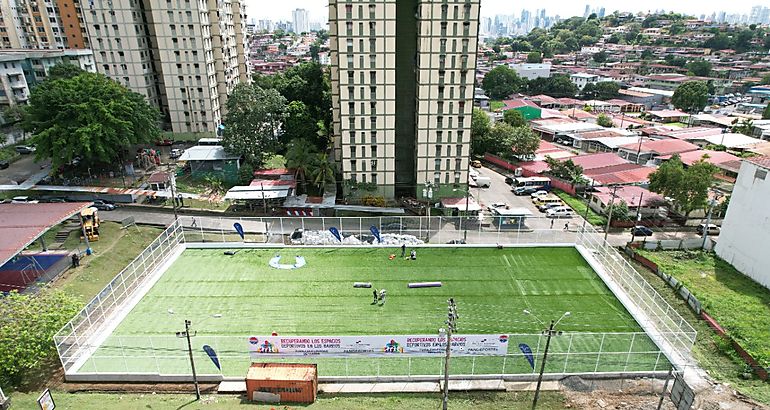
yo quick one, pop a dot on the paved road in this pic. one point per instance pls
(20, 171)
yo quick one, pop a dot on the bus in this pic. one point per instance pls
(210, 141)
(536, 182)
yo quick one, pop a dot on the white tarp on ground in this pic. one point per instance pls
(388, 345)
(326, 238)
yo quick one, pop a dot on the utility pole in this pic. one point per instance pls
(588, 206)
(609, 214)
(173, 192)
(712, 204)
(550, 332)
(638, 215)
(451, 323)
(186, 334)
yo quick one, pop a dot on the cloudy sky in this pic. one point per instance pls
(281, 10)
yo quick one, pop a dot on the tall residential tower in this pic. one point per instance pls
(402, 91)
(185, 56)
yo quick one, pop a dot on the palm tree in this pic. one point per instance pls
(301, 155)
(323, 171)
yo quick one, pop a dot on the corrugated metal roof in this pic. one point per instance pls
(663, 147)
(22, 224)
(601, 160)
(206, 153)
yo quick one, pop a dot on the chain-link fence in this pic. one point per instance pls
(86, 344)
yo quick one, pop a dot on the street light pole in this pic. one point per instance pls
(609, 215)
(550, 332)
(712, 203)
(186, 334)
(451, 327)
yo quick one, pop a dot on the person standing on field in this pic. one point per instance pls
(374, 293)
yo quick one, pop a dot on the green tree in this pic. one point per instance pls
(604, 120)
(619, 211)
(245, 173)
(501, 81)
(701, 68)
(745, 127)
(28, 323)
(534, 57)
(766, 113)
(480, 125)
(13, 114)
(524, 142)
(647, 54)
(566, 170)
(323, 171)
(691, 96)
(308, 83)
(254, 116)
(688, 187)
(514, 118)
(720, 41)
(299, 122)
(557, 86)
(88, 116)
(676, 28)
(64, 71)
(301, 155)
(600, 57)
(766, 78)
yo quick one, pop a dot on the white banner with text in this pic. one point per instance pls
(401, 345)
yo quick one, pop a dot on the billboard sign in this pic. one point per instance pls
(395, 345)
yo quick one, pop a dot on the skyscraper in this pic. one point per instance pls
(402, 91)
(301, 21)
(35, 24)
(184, 57)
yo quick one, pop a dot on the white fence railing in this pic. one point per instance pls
(81, 349)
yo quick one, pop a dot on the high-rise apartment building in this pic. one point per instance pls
(39, 24)
(301, 21)
(185, 56)
(402, 91)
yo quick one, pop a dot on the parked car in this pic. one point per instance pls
(164, 142)
(25, 149)
(525, 190)
(103, 205)
(483, 182)
(176, 153)
(559, 212)
(4, 164)
(509, 179)
(538, 194)
(56, 200)
(640, 230)
(712, 229)
(497, 205)
(23, 200)
(546, 206)
(476, 163)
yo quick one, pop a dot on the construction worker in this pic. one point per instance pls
(383, 293)
(374, 294)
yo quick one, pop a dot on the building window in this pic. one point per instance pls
(760, 174)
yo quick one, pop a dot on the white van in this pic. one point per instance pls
(712, 229)
(483, 182)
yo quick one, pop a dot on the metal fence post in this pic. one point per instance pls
(630, 348)
(599, 354)
(569, 350)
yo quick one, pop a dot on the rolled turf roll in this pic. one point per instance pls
(362, 285)
(425, 285)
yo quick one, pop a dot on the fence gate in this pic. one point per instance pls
(681, 394)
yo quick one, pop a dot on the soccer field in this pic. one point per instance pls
(228, 298)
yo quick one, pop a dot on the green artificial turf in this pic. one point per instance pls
(492, 288)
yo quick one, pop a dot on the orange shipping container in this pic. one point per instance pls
(282, 382)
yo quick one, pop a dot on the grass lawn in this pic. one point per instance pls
(496, 105)
(115, 248)
(492, 288)
(580, 207)
(395, 401)
(712, 353)
(733, 299)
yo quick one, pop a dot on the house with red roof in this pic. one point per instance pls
(728, 164)
(648, 151)
(637, 199)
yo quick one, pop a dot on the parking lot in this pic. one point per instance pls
(500, 192)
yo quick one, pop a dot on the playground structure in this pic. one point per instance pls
(89, 220)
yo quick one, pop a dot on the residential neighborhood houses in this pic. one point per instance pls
(635, 141)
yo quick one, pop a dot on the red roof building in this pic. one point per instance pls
(650, 150)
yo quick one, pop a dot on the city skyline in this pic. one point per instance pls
(318, 10)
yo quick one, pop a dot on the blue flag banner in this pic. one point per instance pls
(376, 233)
(336, 233)
(239, 229)
(213, 355)
(527, 354)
